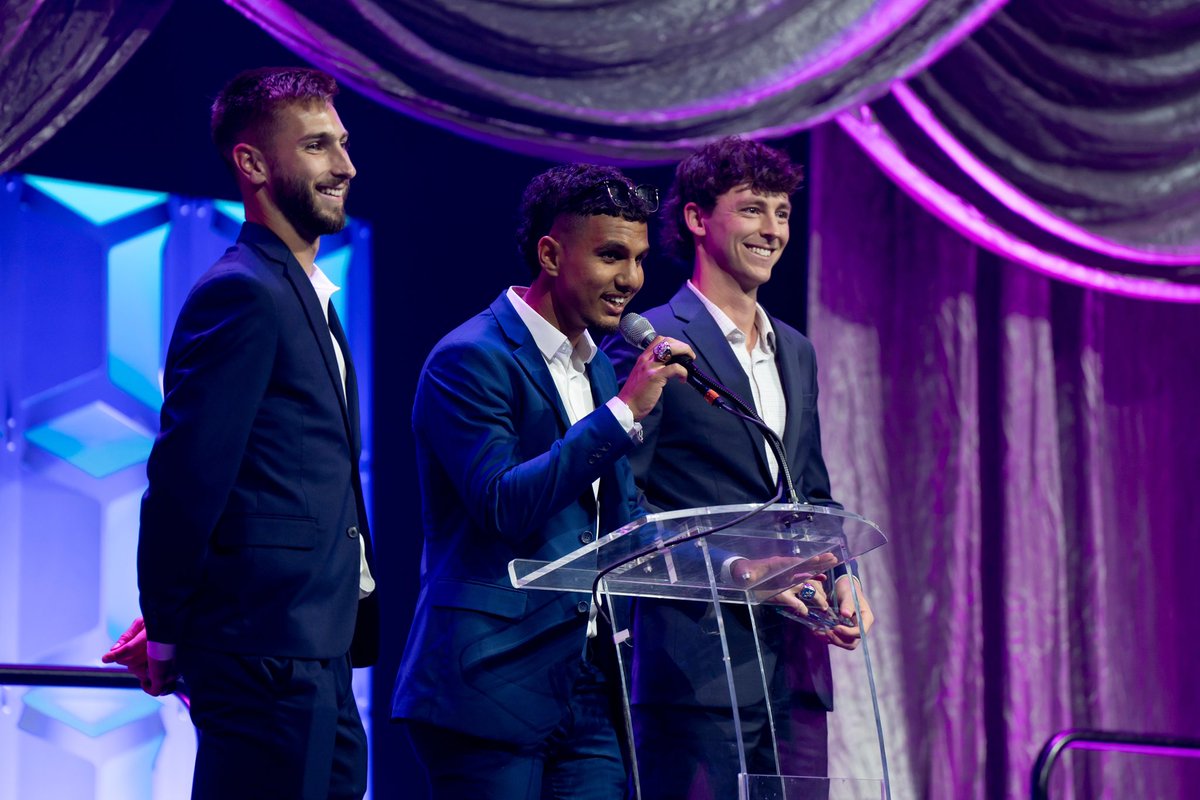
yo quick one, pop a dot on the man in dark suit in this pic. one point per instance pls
(253, 557)
(521, 444)
(728, 214)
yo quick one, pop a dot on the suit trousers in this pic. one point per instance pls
(581, 759)
(274, 727)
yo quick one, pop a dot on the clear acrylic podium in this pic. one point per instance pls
(737, 560)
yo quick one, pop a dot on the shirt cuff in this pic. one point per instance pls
(625, 418)
(160, 651)
(727, 571)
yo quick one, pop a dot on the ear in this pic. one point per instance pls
(693, 217)
(249, 164)
(549, 251)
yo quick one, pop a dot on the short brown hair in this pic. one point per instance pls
(712, 171)
(249, 101)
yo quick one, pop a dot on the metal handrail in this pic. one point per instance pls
(62, 675)
(1118, 741)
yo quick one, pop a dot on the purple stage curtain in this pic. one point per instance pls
(631, 81)
(1071, 130)
(55, 55)
(1030, 448)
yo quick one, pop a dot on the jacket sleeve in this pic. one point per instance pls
(471, 415)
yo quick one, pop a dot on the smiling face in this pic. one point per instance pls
(743, 236)
(590, 268)
(309, 168)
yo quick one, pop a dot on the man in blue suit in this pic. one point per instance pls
(521, 444)
(254, 553)
(727, 214)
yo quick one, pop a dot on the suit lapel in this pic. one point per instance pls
(350, 401)
(794, 388)
(603, 381)
(715, 356)
(528, 357)
(317, 325)
(274, 249)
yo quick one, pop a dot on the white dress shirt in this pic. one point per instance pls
(325, 289)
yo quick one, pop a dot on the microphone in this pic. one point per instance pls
(638, 331)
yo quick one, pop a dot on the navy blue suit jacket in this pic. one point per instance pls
(503, 476)
(695, 455)
(249, 529)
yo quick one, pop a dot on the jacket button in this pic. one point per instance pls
(582, 606)
(586, 536)
(352, 531)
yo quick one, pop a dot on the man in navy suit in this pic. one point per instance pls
(521, 443)
(727, 214)
(254, 553)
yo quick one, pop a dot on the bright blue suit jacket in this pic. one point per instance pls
(504, 476)
(250, 526)
(696, 455)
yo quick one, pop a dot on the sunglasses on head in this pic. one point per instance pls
(622, 194)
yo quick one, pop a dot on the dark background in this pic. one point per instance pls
(442, 209)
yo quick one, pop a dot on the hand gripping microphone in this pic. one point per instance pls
(638, 331)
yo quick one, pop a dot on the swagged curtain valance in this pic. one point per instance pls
(630, 81)
(55, 55)
(1059, 135)
(1064, 136)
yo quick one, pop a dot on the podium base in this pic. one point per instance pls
(775, 787)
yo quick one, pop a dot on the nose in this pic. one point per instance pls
(771, 226)
(343, 167)
(631, 277)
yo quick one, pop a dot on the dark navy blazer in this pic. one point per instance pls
(695, 455)
(503, 476)
(250, 526)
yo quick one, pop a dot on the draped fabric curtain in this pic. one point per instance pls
(55, 55)
(1059, 135)
(631, 81)
(1030, 448)
(1073, 129)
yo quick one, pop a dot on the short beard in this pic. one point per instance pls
(299, 207)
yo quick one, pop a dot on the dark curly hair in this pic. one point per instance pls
(712, 171)
(569, 189)
(249, 102)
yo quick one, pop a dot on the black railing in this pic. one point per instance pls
(1109, 741)
(53, 675)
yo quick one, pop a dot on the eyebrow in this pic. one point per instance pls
(614, 249)
(326, 136)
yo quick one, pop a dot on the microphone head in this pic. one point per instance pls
(637, 330)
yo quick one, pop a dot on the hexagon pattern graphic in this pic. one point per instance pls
(83, 434)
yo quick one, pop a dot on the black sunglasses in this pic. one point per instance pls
(622, 194)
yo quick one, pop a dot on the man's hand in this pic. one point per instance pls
(157, 677)
(793, 574)
(649, 375)
(129, 651)
(847, 637)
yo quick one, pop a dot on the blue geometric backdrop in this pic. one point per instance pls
(91, 280)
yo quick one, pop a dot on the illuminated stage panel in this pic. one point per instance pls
(96, 438)
(97, 275)
(135, 315)
(97, 204)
